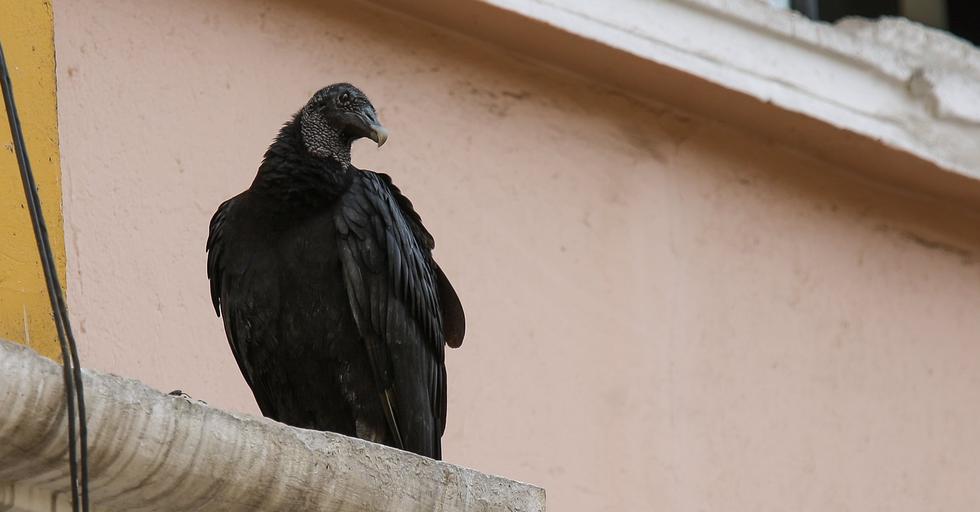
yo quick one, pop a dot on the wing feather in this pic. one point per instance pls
(215, 248)
(395, 289)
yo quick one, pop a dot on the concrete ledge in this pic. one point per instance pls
(891, 99)
(150, 451)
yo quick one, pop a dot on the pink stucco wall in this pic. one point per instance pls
(663, 313)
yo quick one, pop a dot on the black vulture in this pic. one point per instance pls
(323, 275)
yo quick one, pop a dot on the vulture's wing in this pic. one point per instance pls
(236, 329)
(394, 291)
(453, 319)
(215, 248)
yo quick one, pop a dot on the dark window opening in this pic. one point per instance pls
(960, 17)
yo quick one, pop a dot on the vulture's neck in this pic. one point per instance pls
(291, 172)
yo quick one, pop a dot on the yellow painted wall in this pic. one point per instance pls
(27, 33)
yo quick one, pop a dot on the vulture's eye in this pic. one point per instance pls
(344, 99)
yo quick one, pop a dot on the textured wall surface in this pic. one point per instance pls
(663, 313)
(152, 452)
(28, 43)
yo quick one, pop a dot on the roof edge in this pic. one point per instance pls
(892, 88)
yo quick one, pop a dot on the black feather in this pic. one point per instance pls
(333, 306)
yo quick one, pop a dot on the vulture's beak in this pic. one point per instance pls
(372, 127)
(378, 134)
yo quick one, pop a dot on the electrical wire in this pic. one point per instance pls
(72, 371)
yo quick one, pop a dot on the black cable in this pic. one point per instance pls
(72, 371)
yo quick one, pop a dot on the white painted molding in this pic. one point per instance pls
(904, 92)
(913, 87)
(150, 451)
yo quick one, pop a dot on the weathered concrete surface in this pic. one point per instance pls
(150, 451)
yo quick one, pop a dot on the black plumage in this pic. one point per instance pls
(323, 275)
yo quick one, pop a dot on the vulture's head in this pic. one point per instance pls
(335, 117)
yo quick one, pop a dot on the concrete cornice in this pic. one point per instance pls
(892, 89)
(150, 451)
